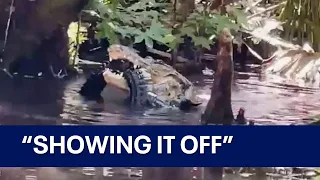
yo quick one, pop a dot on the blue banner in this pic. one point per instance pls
(159, 146)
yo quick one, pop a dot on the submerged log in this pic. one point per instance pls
(37, 31)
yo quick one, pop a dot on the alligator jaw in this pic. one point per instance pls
(115, 80)
(116, 53)
(119, 56)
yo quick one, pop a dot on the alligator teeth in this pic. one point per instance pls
(116, 80)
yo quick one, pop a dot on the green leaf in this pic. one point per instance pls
(111, 25)
(174, 44)
(202, 42)
(151, 2)
(187, 31)
(153, 14)
(124, 31)
(239, 14)
(139, 38)
(137, 32)
(135, 7)
(157, 31)
(114, 4)
(156, 27)
(105, 30)
(128, 19)
(149, 42)
(168, 38)
(99, 34)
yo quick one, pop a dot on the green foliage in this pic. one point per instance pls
(149, 20)
(136, 21)
(75, 37)
(210, 23)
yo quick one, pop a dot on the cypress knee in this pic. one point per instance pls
(219, 110)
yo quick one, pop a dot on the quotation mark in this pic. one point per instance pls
(26, 139)
(227, 139)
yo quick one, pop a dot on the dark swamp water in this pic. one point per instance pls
(44, 102)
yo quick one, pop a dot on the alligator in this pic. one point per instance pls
(148, 81)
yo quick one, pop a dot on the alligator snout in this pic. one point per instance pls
(120, 65)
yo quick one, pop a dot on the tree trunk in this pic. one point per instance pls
(37, 32)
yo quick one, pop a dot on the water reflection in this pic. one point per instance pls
(30, 102)
(129, 173)
(34, 102)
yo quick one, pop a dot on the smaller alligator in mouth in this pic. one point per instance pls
(149, 82)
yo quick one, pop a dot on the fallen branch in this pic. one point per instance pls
(267, 9)
(167, 55)
(87, 62)
(255, 54)
(253, 5)
(207, 57)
